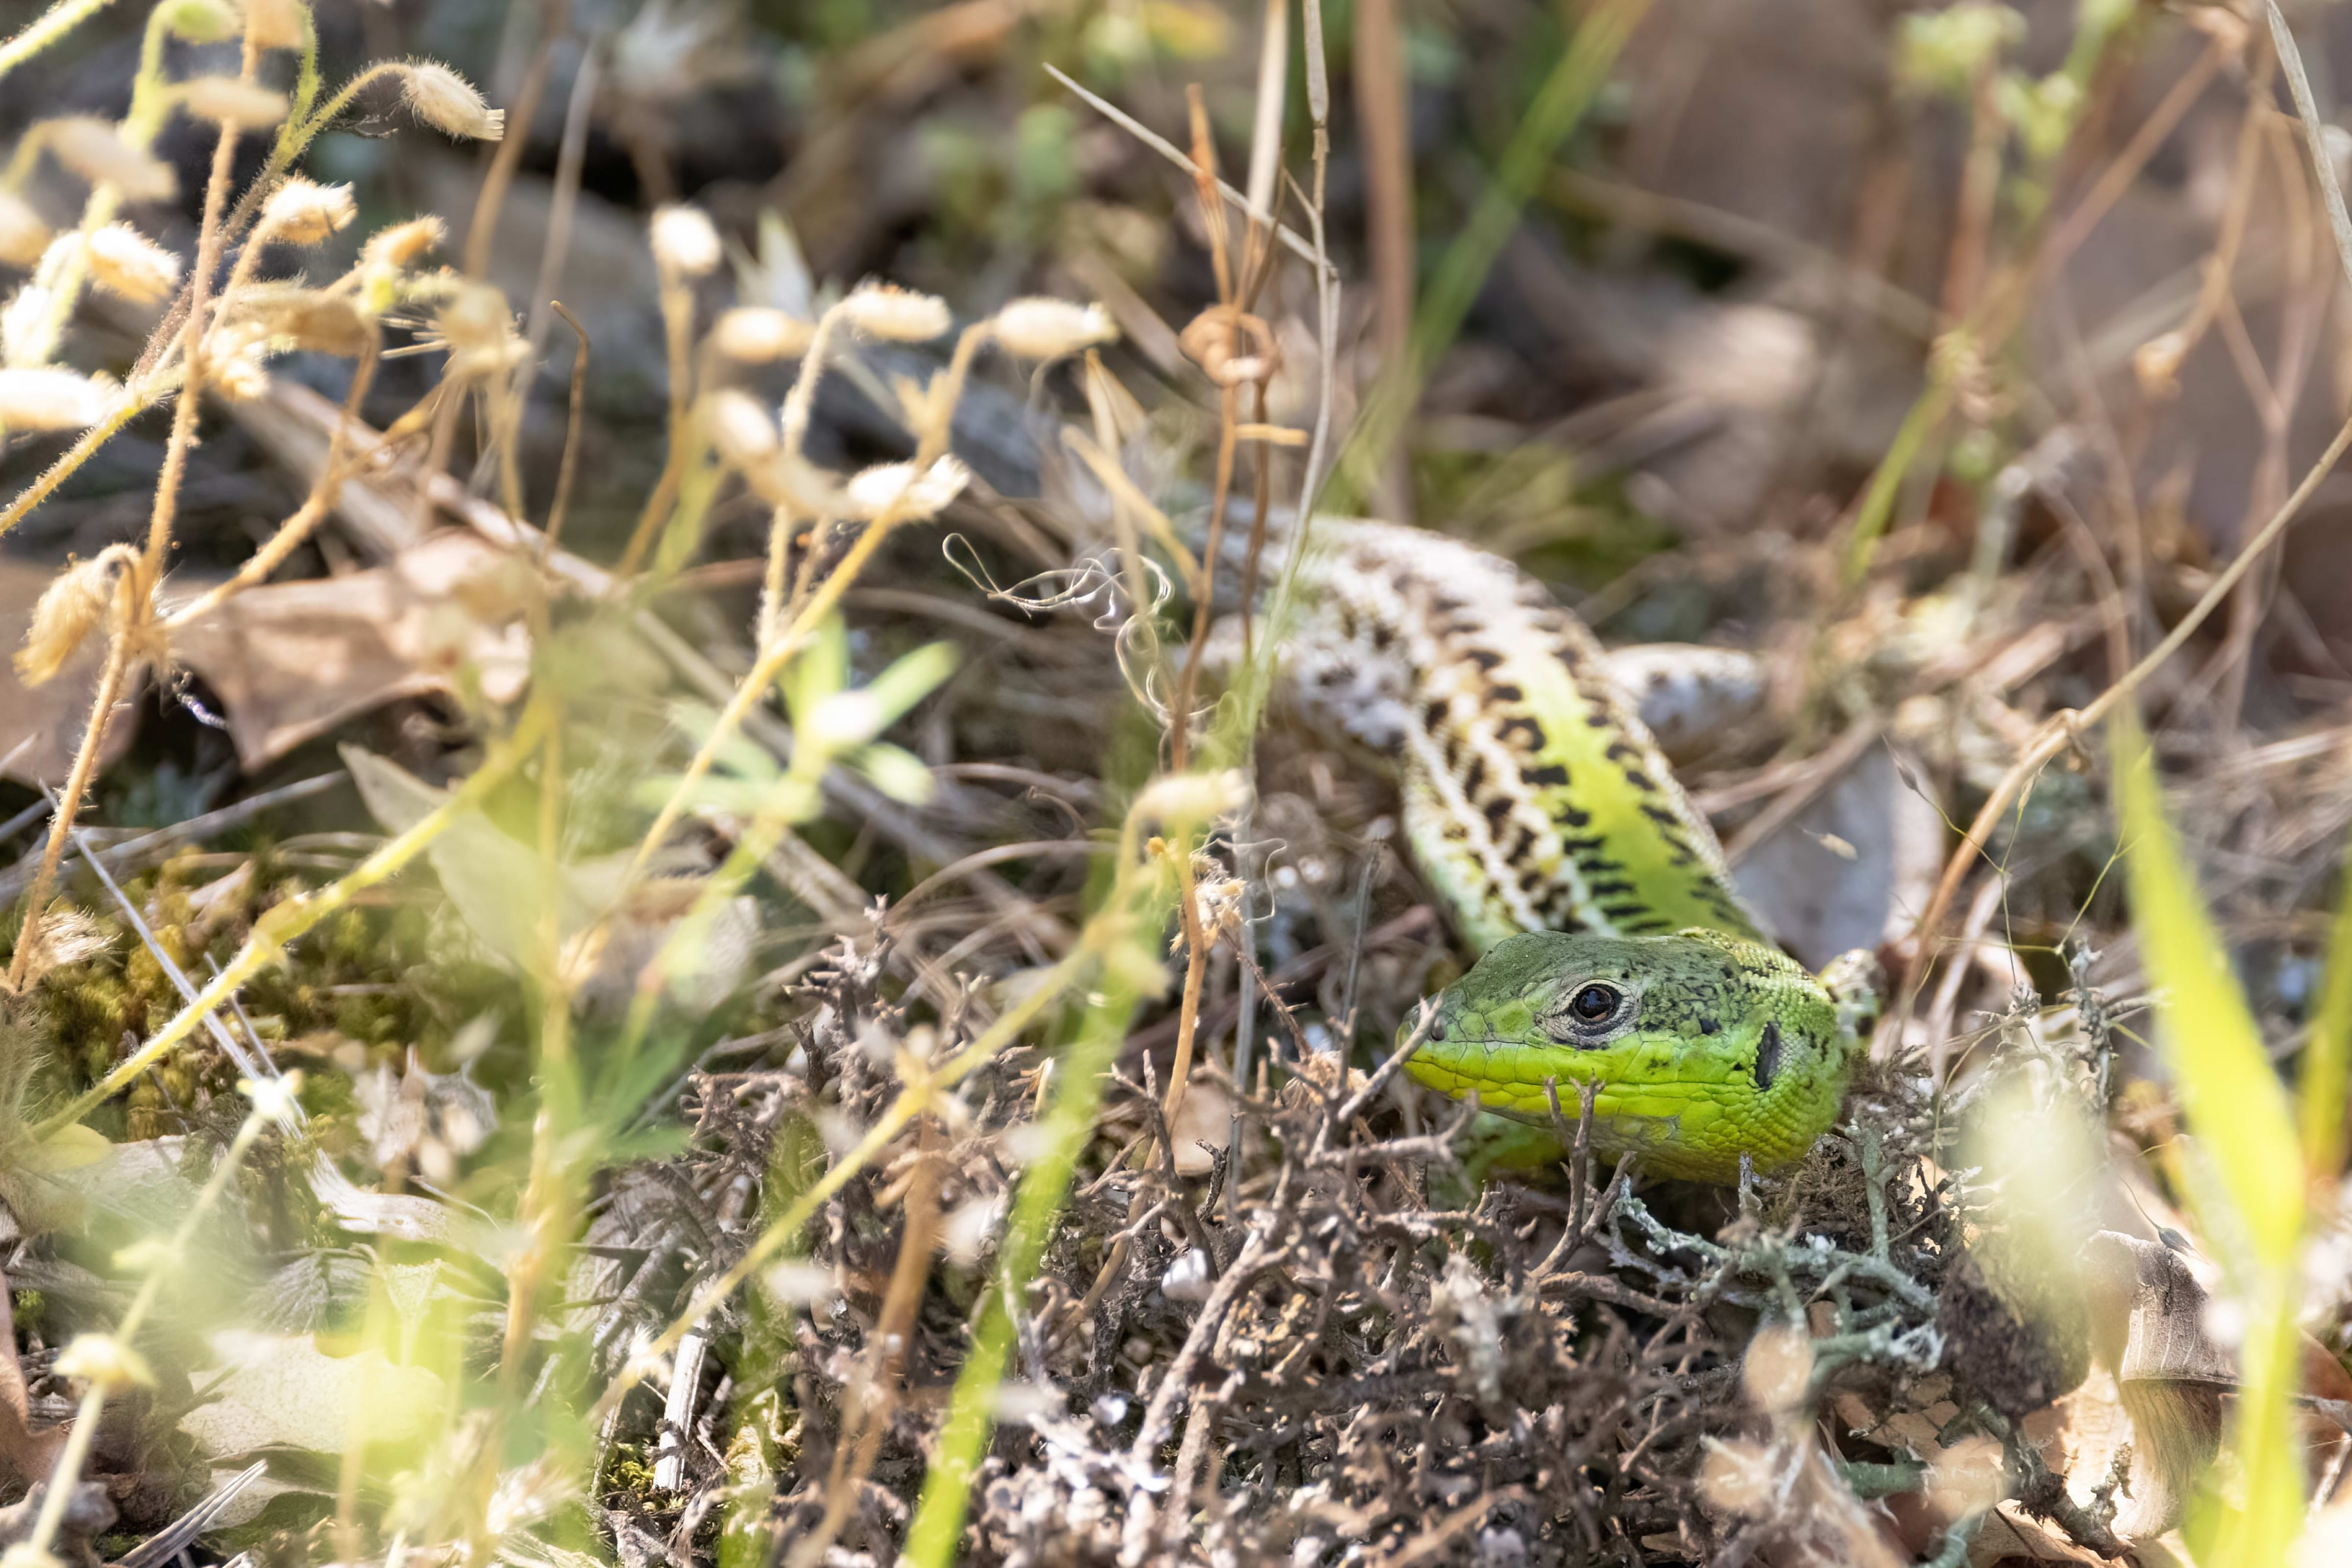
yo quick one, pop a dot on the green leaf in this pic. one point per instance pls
(493, 878)
(2233, 1099)
(2327, 1058)
(897, 773)
(817, 670)
(910, 679)
(2248, 1185)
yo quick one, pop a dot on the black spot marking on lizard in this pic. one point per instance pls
(1648, 926)
(1570, 815)
(1599, 718)
(1551, 775)
(1624, 751)
(1583, 847)
(1485, 658)
(1522, 840)
(1709, 1025)
(1497, 811)
(1504, 692)
(1659, 814)
(1768, 1056)
(1611, 889)
(1644, 783)
(1348, 627)
(1383, 635)
(1623, 911)
(1474, 778)
(1435, 715)
(1522, 733)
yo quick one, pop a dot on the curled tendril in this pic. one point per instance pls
(1098, 583)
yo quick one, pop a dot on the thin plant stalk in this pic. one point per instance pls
(121, 638)
(46, 29)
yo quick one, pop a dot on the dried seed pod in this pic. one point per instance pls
(447, 102)
(303, 213)
(125, 262)
(401, 243)
(760, 334)
(24, 235)
(49, 399)
(683, 242)
(900, 315)
(246, 105)
(72, 607)
(913, 496)
(740, 430)
(277, 24)
(92, 147)
(1043, 328)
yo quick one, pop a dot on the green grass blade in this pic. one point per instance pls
(2327, 1058)
(2249, 1199)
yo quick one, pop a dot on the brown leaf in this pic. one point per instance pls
(290, 661)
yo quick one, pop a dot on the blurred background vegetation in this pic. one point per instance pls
(1936, 359)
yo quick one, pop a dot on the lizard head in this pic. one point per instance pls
(1700, 1046)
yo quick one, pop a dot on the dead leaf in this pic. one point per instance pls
(290, 661)
(1823, 899)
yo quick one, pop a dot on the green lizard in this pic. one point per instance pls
(1615, 952)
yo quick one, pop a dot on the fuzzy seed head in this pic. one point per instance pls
(90, 148)
(760, 334)
(49, 399)
(246, 105)
(447, 102)
(301, 212)
(1041, 328)
(103, 1359)
(277, 24)
(234, 367)
(478, 329)
(403, 244)
(1191, 798)
(900, 315)
(72, 607)
(125, 262)
(23, 235)
(684, 245)
(739, 429)
(910, 497)
(277, 1099)
(200, 21)
(289, 316)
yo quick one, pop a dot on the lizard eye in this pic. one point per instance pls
(1592, 1004)
(1587, 1016)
